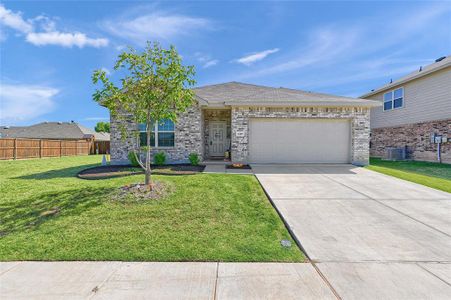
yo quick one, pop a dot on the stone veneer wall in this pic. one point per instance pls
(360, 126)
(417, 138)
(214, 115)
(188, 138)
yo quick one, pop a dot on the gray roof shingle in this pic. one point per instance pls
(52, 130)
(237, 93)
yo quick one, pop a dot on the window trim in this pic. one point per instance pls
(156, 132)
(392, 100)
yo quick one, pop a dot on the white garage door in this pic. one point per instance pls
(299, 140)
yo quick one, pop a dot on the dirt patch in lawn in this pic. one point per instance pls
(140, 192)
(105, 172)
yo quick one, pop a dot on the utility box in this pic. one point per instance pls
(395, 153)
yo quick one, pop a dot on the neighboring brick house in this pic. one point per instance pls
(259, 124)
(415, 107)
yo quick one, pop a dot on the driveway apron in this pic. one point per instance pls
(370, 235)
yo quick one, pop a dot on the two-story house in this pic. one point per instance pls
(415, 107)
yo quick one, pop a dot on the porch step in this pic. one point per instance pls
(216, 162)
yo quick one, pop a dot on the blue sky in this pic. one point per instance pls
(50, 49)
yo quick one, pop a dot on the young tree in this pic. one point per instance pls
(155, 87)
(102, 127)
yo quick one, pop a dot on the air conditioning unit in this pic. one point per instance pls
(394, 153)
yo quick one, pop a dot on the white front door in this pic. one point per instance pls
(217, 143)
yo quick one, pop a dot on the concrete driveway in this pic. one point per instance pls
(370, 235)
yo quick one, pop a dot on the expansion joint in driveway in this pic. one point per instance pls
(438, 277)
(298, 243)
(387, 206)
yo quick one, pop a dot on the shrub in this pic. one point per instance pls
(194, 159)
(159, 158)
(132, 159)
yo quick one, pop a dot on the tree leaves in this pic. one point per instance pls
(156, 86)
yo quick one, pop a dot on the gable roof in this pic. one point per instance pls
(237, 93)
(52, 130)
(434, 67)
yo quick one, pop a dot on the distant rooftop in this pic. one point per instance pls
(439, 64)
(53, 130)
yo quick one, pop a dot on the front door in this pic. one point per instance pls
(217, 143)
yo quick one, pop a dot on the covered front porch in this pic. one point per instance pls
(216, 134)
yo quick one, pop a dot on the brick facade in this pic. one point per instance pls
(188, 138)
(191, 133)
(417, 138)
(360, 126)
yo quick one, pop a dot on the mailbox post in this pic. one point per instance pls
(439, 139)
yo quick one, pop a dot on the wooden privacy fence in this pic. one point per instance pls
(101, 147)
(36, 148)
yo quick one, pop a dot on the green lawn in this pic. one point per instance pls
(46, 213)
(434, 175)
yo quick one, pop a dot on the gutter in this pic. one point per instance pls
(357, 103)
(402, 81)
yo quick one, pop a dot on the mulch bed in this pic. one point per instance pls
(104, 172)
(242, 167)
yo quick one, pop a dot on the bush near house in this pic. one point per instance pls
(194, 159)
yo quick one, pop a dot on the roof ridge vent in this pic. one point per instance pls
(60, 123)
(440, 58)
(421, 69)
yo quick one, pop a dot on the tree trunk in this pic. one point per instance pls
(148, 181)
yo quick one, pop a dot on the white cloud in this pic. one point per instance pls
(156, 25)
(120, 47)
(106, 70)
(45, 23)
(325, 45)
(358, 51)
(69, 40)
(47, 33)
(210, 63)
(205, 60)
(14, 20)
(25, 102)
(254, 57)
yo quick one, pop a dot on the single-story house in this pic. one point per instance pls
(259, 124)
(415, 115)
(59, 131)
(53, 130)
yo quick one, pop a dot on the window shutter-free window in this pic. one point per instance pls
(163, 134)
(394, 99)
(398, 96)
(388, 101)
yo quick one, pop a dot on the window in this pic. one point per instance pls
(162, 134)
(394, 99)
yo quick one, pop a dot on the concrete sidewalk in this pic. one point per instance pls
(159, 280)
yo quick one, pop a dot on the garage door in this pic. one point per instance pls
(299, 140)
